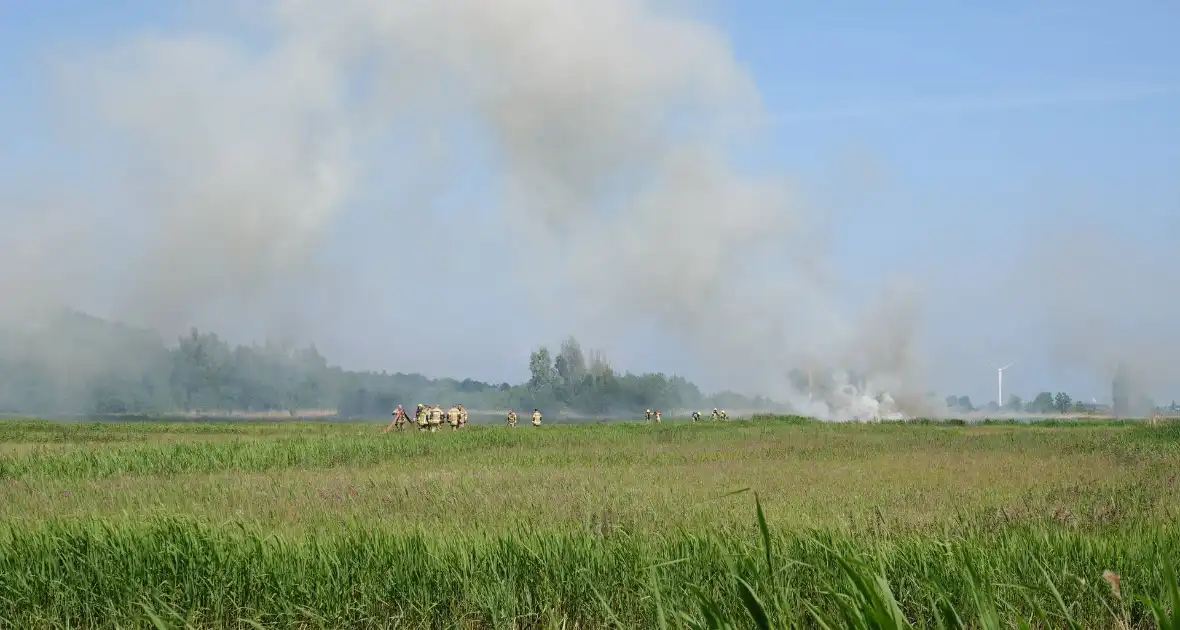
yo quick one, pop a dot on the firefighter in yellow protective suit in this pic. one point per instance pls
(399, 419)
(453, 417)
(511, 418)
(716, 414)
(696, 416)
(462, 416)
(536, 418)
(656, 414)
(436, 418)
(422, 416)
(647, 415)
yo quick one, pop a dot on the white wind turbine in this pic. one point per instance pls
(1000, 384)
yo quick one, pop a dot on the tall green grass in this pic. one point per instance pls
(316, 525)
(138, 450)
(188, 574)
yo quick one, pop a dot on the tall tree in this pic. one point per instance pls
(599, 365)
(540, 370)
(571, 363)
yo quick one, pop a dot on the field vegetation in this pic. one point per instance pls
(770, 522)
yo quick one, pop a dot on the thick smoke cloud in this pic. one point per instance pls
(616, 129)
(239, 163)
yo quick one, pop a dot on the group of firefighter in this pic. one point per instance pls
(431, 418)
(654, 415)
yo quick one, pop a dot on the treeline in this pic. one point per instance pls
(75, 363)
(1045, 402)
(1061, 402)
(586, 383)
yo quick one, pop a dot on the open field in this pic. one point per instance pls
(326, 525)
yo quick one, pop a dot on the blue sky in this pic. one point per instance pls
(941, 141)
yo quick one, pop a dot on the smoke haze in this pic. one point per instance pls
(1112, 305)
(609, 141)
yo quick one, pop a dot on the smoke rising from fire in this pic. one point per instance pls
(615, 128)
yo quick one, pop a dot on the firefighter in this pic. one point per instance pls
(399, 420)
(511, 418)
(453, 417)
(696, 416)
(536, 418)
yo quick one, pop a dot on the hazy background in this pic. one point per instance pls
(721, 190)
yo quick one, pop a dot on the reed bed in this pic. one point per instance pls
(768, 523)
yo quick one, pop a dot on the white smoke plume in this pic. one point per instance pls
(837, 399)
(615, 127)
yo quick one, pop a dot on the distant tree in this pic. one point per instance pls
(952, 402)
(1043, 403)
(540, 370)
(964, 403)
(203, 372)
(1014, 403)
(1061, 401)
(571, 363)
(107, 401)
(599, 366)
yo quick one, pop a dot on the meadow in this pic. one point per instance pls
(768, 522)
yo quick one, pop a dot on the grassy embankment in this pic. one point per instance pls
(338, 525)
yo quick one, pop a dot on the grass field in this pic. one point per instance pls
(710, 525)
